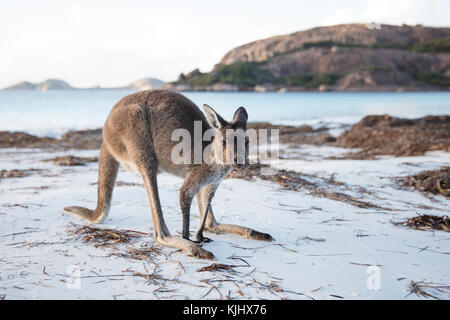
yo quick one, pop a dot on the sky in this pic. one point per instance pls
(113, 43)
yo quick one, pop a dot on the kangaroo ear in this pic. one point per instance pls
(240, 117)
(214, 119)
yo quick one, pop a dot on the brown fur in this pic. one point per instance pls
(137, 133)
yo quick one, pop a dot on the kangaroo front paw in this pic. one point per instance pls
(206, 240)
(202, 239)
(256, 235)
(199, 252)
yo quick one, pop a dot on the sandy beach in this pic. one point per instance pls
(337, 218)
(224, 157)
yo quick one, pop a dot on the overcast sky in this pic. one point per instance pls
(112, 43)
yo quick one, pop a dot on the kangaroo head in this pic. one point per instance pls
(229, 145)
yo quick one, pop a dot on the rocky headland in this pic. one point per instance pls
(350, 57)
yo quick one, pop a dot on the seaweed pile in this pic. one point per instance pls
(296, 135)
(427, 222)
(427, 290)
(84, 139)
(103, 237)
(71, 160)
(432, 181)
(24, 140)
(386, 135)
(313, 184)
(17, 173)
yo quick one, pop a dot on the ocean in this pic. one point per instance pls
(53, 113)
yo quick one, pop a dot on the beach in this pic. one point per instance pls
(239, 151)
(338, 215)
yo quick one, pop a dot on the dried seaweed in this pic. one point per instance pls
(156, 278)
(432, 181)
(71, 160)
(17, 173)
(419, 289)
(212, 287)
(123, 184)
(104, 236)
(427, 222)
(296, 135)
(386, 135)
(220, 267)
(152, 278)
(295, 181)
(24, 140)
(140, 253)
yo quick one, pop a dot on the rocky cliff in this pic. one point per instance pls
(344, 57)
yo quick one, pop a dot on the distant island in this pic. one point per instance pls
(350, 57)
(56, 84)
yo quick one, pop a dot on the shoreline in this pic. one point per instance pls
(282, 89)
(183, 88)
(374, 135)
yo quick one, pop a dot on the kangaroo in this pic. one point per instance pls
(137, 134)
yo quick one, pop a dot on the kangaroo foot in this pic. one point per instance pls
(199, 252)
(193, 249)
(256, 235)
(240, 231)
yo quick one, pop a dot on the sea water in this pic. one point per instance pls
(52, 113)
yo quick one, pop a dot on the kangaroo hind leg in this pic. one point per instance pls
(108, 167)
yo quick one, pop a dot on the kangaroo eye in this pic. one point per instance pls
(224, 143)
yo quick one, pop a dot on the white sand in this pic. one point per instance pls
(323, 249)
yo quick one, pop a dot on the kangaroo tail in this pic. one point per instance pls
(107, 173)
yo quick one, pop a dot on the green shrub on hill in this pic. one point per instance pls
(432, 78)
(243, 73)
(250, 74)
(441, 45)
(311, 81)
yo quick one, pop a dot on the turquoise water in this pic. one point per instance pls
(55, 112)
